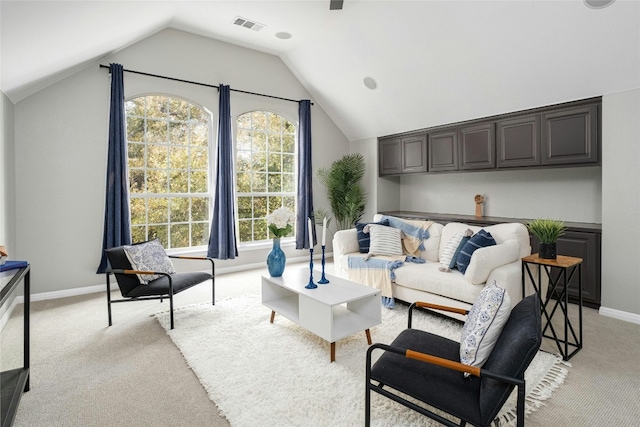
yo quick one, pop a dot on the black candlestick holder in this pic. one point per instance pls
(311, 285)
(323, 280)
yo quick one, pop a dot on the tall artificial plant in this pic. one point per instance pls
(345, 190)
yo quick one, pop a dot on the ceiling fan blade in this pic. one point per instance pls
(335, 5)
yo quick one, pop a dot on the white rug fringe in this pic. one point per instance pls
(536, 397)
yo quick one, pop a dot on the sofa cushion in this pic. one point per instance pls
(479, 240)
(428, 278)
(385, 240)
(484, 260)
(364, 239)
(452, 249)
(431, 250)
(483, 326)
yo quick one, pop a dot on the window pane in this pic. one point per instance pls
(178, 109)
(199, 158)
(259, 183)
(157, 131)
(275, 183)
(288, 144)
(244, 140)
(159, 232)
(180, 235)
(259, 162)
(178, 133)
(158, 210)
(198, 114)
(135, 107)
(178, 182)
(288, 183)
(199, 182)
(275, 123)
(275, 162)
(157, 181)
(243, 182)
(260, 207)
(243, 162)
(200, 209)
(138, 211)
(158, 156)
(275, 202)
(245, 208)
(244, 122)
(289, 202)
(179, 158)
(260, 230)
(136, 180)
(135, 154)
(135, 129)
(157, 106)
(244, 231)
(289, 128)
(259, 141)
(138, 234)
(179, 209)
(200, 135)
(288, 163)
(199, 234)
(259, 120)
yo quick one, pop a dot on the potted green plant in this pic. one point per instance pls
(344, 189)
(547, 231)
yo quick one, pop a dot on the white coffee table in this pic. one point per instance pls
(332, 311)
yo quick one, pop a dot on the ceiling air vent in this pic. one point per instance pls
(247, 23)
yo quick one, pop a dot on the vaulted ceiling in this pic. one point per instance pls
(434, 62)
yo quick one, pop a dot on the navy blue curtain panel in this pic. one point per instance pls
(304, 193)
(222, 240)
(117, 219)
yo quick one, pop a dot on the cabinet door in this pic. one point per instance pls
(570, 136)
(389, 156)
(477, 146)
(518, 142)
(443, 151)
(414, 154)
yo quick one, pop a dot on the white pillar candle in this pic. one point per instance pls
(310, 235)
(324, 231)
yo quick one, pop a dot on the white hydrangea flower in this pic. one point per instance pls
(281, 221)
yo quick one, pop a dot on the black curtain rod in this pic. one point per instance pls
(202, 84)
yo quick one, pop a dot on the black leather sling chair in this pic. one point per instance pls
(165, 286)
(427, 368)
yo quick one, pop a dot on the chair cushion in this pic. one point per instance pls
(149, 256)
(444, 389)
(484, 324)
(479, 240)
(160, 286)
(364, 239)
(516, 347)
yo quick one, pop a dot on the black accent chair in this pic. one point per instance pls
(163, 287)
(427, 368)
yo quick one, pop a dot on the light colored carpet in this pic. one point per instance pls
(255, 370)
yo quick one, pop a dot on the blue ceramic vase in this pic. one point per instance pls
(276, 259)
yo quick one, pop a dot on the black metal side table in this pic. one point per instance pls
(558, 296)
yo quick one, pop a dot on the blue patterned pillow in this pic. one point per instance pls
(364, 239)
(149, 256)
(479, 240)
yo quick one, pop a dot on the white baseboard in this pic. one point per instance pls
(42, 296)
(621, 315)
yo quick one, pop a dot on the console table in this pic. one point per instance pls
(14, 381)
(557, 296)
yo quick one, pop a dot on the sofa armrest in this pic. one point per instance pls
(344, 242)
(509, 277)
(485, 260)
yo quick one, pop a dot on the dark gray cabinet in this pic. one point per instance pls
(443, 151)
(570, 136)
(477, 147)
(414, 153)
(389, 156)
(518, 142)
(407, 154)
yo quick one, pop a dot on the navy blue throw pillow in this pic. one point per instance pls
(364, 239)
(479, 240)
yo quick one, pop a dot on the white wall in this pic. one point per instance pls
(7, 177)
(621, 202)
(61, 145)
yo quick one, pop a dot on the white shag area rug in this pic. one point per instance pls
(279, 374)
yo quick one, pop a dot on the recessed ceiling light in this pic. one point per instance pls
(283, 35)
(598, 4)
(370, 83)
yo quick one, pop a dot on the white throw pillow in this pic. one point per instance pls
(485, 260)
(385, 240)
(149, 256)
(449, 250)
(485, 321)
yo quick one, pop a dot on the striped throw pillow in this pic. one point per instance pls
(479, 240)
(385, 240)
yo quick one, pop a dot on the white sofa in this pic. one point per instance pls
(426, 282)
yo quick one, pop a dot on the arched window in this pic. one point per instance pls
(168, 145)
(265, 171)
